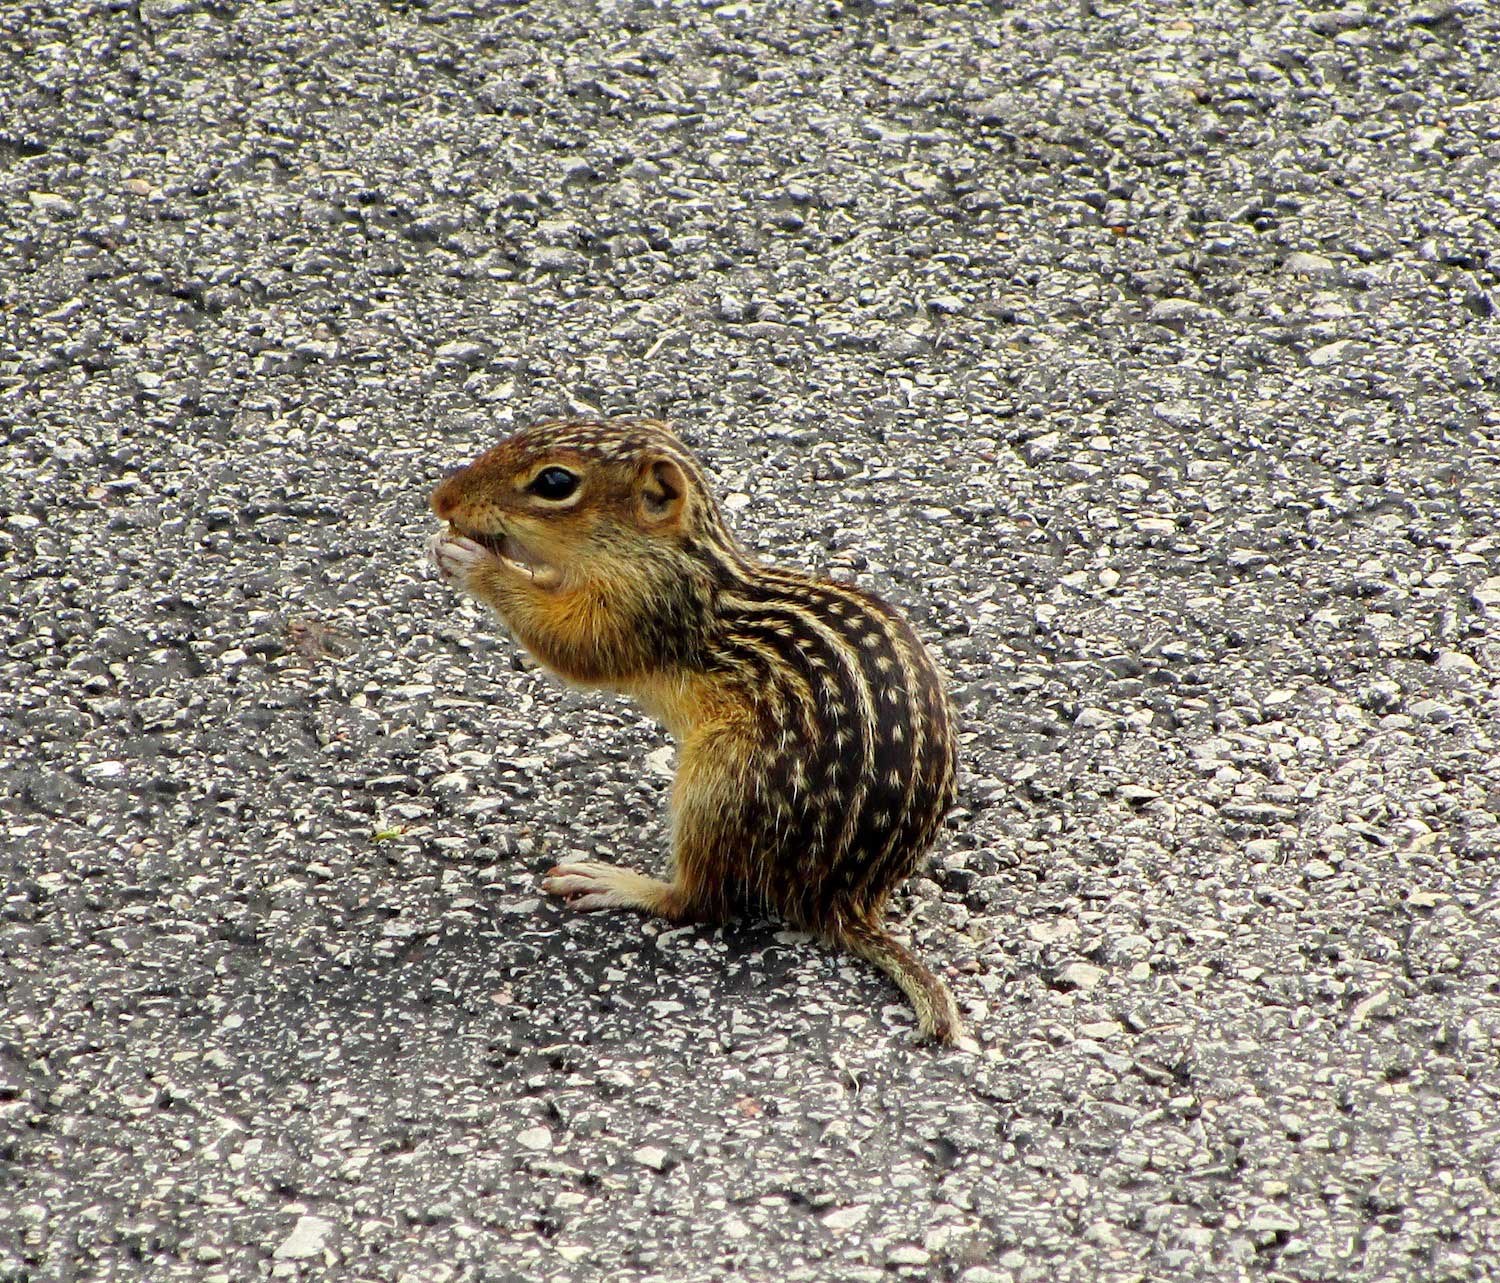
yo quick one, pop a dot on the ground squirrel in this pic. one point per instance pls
(815, 739)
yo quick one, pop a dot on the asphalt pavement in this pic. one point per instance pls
(1145, 353)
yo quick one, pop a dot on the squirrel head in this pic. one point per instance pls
(559, 499)
(604, 532)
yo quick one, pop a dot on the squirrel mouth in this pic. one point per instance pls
(516, 556)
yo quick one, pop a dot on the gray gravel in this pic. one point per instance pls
(1146, 352)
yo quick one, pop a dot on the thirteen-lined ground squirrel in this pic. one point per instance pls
(815, 740)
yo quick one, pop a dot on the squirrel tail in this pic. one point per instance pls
(937, 1013)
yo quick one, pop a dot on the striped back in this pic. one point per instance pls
(859, 763)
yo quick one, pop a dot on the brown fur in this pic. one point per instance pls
(816, 752)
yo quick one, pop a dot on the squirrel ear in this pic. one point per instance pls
(663, 492)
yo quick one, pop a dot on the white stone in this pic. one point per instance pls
(846, 1218)
(1179, 413)
(1455, 661)
(651, 1156)
(1308, 264)
(306, 1240)
(1177, 309)
(1333, 353)
(984, 1274)
(1082, 975)
(535, 1138)
(659, 761)
(1156, 525)
(1051, 930)
(1377, 1004)
(1273, 1219)
(907, 1254)
(52, 203)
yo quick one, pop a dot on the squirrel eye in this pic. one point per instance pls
(553, 483)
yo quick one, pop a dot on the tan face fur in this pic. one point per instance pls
(502, 500)
(574, 569)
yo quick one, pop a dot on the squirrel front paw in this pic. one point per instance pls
(455, 557)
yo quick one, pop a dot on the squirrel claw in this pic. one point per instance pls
(592, 884)
(584, 885)
(454, 556)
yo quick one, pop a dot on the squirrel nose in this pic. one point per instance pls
(444, 501)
